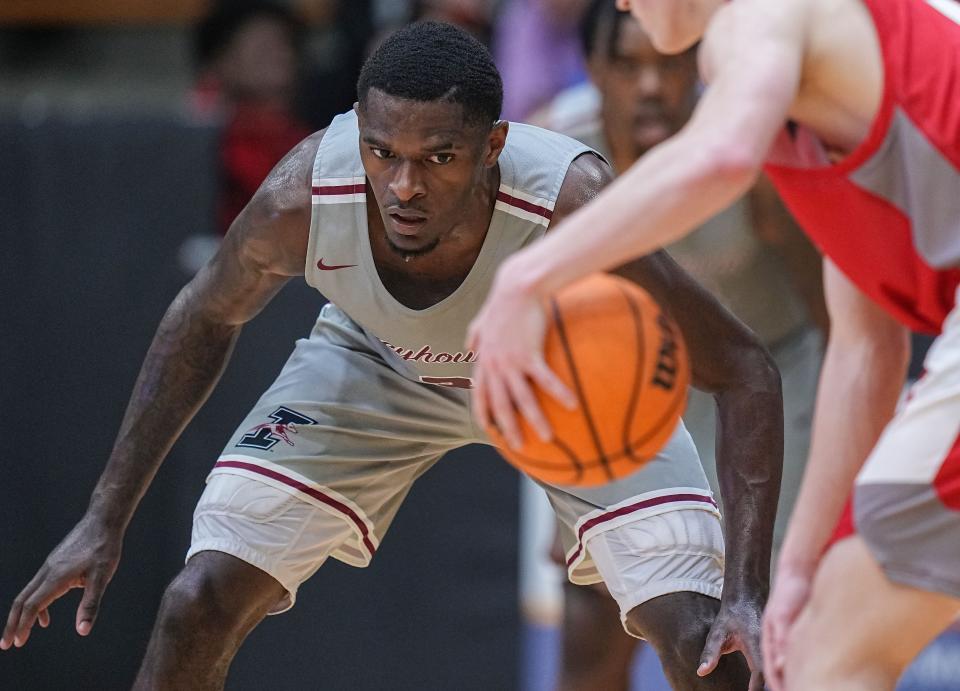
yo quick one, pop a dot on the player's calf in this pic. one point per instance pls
(597, 654)
(206, 612)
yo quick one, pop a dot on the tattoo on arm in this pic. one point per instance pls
(186, 359)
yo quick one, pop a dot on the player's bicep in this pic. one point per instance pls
(752, 59)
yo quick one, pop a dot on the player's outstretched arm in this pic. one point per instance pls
(265, 246)
(863, 373)
(729, 362)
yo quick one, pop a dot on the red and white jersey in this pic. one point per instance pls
(888, 215)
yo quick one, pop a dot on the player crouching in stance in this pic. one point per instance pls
(399, 213)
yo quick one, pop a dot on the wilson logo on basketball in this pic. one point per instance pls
(665, 372)
(625, 361)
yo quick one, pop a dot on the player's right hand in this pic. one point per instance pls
(791, 591)
(86, 558)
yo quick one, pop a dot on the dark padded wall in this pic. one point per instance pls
(92, 215)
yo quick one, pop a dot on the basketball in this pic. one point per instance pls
(624, 359)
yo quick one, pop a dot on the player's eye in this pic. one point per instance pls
(382, 154)
(441, 159)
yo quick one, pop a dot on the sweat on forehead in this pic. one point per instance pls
(433, 61)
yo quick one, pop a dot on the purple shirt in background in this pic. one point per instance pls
(536, 56)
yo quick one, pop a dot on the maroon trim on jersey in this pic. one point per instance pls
(306, 489)
(525, 205)
(340, 189)
(625, 510)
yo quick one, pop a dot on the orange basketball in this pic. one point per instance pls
(625, 360)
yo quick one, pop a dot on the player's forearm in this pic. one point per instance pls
(858, 392)
(749, 466)
(184, 362)
(670, 191)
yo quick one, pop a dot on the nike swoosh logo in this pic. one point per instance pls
(327, 267)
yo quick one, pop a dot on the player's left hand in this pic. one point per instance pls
(507, 336)
(737, 627)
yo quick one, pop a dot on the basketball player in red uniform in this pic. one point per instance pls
(853, 107)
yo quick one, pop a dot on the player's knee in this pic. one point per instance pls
(191, 603)
(676, 625)
(206, 596)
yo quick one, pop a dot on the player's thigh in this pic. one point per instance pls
(652, 555)
(859, 621)
(594, 641)
(268, 530)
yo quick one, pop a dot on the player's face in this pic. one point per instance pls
(425, 165)
(646, 96)
(673, 25)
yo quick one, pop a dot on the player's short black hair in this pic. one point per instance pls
(227, 17)
(430, 61)
(600, 24)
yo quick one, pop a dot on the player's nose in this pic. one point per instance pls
(649, 83)
(407, 182)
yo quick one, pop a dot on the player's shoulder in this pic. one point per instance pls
(287, 187)
(586, 177)
(273, 230)
(545, 166)
(739, 22)
(527, 138)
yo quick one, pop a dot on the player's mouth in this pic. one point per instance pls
(407, 222)
(650, 129)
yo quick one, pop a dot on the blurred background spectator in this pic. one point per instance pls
(249, 62)
(535, 44)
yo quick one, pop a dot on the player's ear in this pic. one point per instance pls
(496, 140)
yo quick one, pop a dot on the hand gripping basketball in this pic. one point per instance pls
(625, 360)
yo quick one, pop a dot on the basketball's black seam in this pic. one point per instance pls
(637, 377)
(677, 402)
(577, 465)
(592, 463)
(562, 332)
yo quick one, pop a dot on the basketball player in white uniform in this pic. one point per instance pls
(399, 213)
